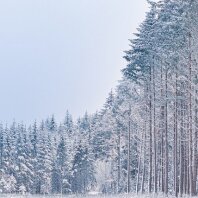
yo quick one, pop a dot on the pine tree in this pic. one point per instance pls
(83, 170)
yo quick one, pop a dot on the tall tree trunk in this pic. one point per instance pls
(181, 153)
(129, 156)
(144, 161)
(150, 137)
(154, 134)
(195, 145)
(166, 135)
(119, 162)
(162, 117)
(190, 120)
(175, 139)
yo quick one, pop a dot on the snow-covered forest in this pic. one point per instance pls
(143, 140)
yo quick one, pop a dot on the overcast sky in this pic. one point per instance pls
(62, 54)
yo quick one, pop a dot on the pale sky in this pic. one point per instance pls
(62, 54)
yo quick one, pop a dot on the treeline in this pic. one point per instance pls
(163, 60)
(143, 140)
(46, 158)
(71, 157)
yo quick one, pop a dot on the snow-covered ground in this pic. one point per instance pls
(69, 196)
(85, 196)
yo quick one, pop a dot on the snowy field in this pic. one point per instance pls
(72, 196)
(86, 196)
